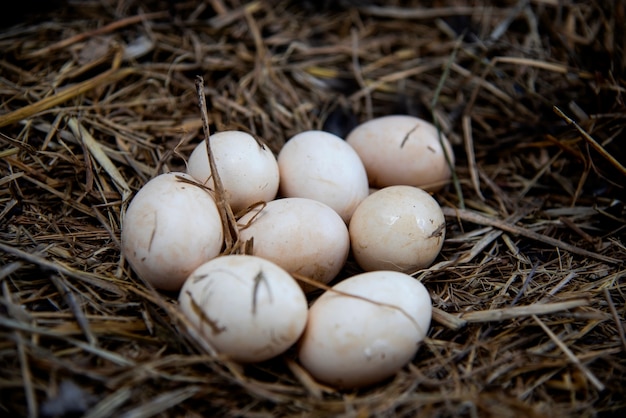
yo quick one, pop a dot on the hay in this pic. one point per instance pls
(98, 96)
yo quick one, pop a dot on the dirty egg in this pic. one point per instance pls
(301, 235)
(399, 228)
(322, 166)
(170, 227)
(365, 329)
(402, 149)
(246, 308)
(248, 169)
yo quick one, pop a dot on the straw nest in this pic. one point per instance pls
(98, 96)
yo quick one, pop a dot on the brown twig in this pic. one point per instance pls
(108, 77)
(475, 217)
(592, 378)
(595, 145)
(229, 223)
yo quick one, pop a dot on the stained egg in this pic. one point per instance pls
(322, 166)
(170, 227)
(399, 228)
(247, 168)
(365, 329)
(301, 235)
(245, 308)
(403, 150)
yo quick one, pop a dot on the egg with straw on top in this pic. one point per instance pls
(247, 168)
(243, 307)
(403, 150)
(365, 329)
(303, 236)
(171, 226)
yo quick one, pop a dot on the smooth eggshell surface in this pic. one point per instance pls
(248, 169)
(246, 308)
(357, 341)
(402, 149)
(399, 228)
(321, 166)
(170, 228)
(301, 235)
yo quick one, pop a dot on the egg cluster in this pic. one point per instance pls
(305, 212)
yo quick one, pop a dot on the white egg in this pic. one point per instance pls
(171, 227)
(246, 308)
(321, 166)
(399, 228)
(247, 168)
(365, 329)
(402, 149)
(301, 235)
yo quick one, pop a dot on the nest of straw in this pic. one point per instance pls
(97, 97)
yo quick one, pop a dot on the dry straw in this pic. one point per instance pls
(97, 97)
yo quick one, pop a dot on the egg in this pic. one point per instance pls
(246, 308)
(402, 150)
(365, 329)
(248, 169)
(170, 227)
(399, 228)
(322, 166)
(301, 235)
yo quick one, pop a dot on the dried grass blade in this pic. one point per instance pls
(108, 77)
(592, 378)
(616, 318)
(229, 223)
(29, 391)
(599, 148)
(540, 173)
(562, 283)
(495, 315)
(162, 402)
(481, 83)
(93, 279)
(224, 19)
(358, 72)
(26, 377)
(96, 151)
(110, 404)
(74, 306)
(449, 321)
(33, 329)
(557, 68)
(64, 197)
(503, 26)
(471, 155)
(477, 218)
(420, 13)
(489, 238)
(433, 104)
(373, 85)
(9, 269)
(313, 388)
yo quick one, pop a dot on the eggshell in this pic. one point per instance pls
(301, 235)
(170, 228)
(402, 149)
(357, 341)
(246, 308)
(399, 228)
(321, 166)
(248, 169)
